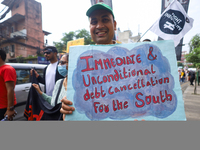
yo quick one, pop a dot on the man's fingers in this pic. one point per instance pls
(66, 102)
(67, 108)
(64, 116)
(65, 111)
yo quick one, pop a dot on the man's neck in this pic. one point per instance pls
(53, 61)
(2, 63)
(113, 42)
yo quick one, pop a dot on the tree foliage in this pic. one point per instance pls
(180, 64)
(194, 42)
(194, 57)
(61, 46)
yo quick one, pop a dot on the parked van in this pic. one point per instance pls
(23, 85)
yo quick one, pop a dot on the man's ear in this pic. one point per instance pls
(115, 25)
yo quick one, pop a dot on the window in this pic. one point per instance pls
(40, 72)
(12, 29)
(23, 75)
(13, 48)
(6, 49)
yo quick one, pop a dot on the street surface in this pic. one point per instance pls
(191, 101)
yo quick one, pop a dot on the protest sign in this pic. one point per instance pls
(125, 82)
(74, 42)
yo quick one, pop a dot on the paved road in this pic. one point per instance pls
(184, 85)
(191, 101)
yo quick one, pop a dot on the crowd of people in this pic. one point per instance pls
(102, 26)
(186, 75)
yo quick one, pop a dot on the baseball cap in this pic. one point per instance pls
(51, 49)
(99, 6)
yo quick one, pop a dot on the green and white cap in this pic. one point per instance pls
(99, 6)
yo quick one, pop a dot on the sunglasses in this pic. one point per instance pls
(62, 62)
(47, 52)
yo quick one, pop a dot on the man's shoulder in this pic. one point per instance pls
(6, 66)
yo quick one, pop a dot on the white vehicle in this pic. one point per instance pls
(23, 85)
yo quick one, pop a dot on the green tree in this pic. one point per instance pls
(194, 57)
(180, 64)
(194, 42)
(61, 46)
(84, 34)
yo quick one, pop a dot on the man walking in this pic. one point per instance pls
(7, 84)
(192, 76)
(50, 74)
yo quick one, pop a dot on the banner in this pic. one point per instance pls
(37, 108)
(108, 2)
(75, 42)
(173, 24)
(185, 4)
(125, 82)
(42, 60)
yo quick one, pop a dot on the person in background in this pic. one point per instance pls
(8, 79)
(146, 40)
(182, 76)
(50, 74)
(63, 70)
(179, 74)
(191, 74)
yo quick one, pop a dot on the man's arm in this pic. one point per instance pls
(10, 85)
(39, 78)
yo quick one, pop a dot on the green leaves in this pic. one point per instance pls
(194, 57)
(83, 33)
(194, 42)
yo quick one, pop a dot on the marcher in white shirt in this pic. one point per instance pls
(51, 74)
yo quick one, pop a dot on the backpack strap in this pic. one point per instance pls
(59, 91)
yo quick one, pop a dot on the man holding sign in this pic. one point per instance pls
(102, 30)
(122, 81)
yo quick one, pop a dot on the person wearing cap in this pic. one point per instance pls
(102, 30)
(102, 23)
(50, 74)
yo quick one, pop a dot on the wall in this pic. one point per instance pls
(20, 9)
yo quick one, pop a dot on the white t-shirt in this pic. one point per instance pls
(50, 78)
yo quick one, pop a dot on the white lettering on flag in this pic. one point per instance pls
(173, 23)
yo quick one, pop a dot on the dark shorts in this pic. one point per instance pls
(2, 112)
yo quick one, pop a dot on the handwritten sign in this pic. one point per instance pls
(75, 42)
(125, 82)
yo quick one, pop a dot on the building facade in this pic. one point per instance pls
(21, 35)
(126, 37)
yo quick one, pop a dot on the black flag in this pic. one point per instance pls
(39, 109)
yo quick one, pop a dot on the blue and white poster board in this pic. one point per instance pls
(122, 82)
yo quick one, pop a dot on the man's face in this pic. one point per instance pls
(102, 27)
(49, 55)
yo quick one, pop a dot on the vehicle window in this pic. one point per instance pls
(22, 76)
(40, 72)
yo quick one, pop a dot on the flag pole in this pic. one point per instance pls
(144, 34)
